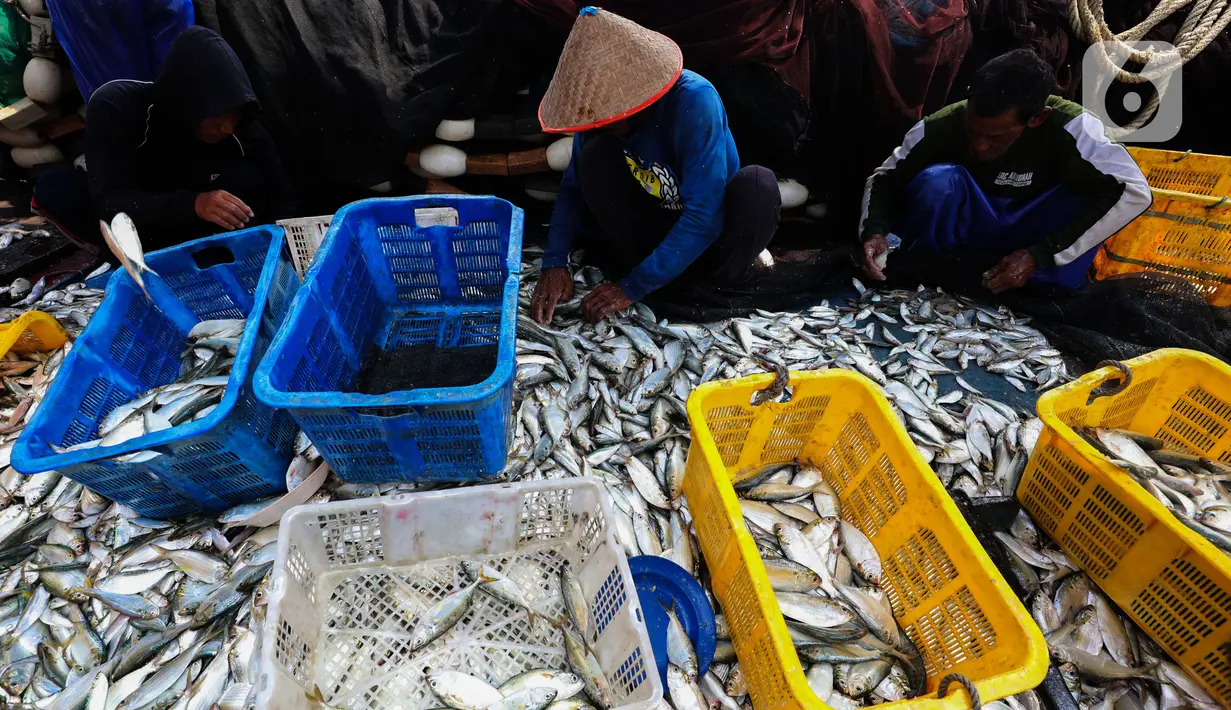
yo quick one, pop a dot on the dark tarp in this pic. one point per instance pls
(348, 88)
(868, 68)
(878, 68)
(710, 34)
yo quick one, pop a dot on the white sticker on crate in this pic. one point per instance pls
(299, 570)
(436, 217)
(292, 653)
(592, 534)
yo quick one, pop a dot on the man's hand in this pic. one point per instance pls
(555, 285)
(603, 301)
(871, 256)
(223, 209)
(1011, 272)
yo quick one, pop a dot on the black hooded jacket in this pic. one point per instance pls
(142, 153)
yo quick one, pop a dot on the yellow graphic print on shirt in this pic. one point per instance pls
(658, 180)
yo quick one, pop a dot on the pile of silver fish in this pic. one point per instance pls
(827, 577)
(1105, 660)
(204, 373)
(102, 608)
(105, 609)
(532, 690)
(619, 387)
(10, 234)
(1197, 490)
(71, 306)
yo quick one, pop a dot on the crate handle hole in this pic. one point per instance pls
(758, 397)
(213, 256)
(1111, 386)
(777, 391)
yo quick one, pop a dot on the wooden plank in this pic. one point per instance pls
(63, 126)
(524, 162)
(21, 114)
(492, 164)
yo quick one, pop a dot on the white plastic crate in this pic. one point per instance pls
(346, 573)
(304, 236)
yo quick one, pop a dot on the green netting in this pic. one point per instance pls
(14, 53)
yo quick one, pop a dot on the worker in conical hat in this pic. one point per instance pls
(654, 190)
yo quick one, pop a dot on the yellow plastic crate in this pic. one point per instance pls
(1186, 232)
(33, 331)
(1196, 173)
(945, 591)
(1170, 580)
(1181, 234)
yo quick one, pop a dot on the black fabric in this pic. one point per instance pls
(144, 158)
(63, 195)
(201, 77)
(767, 117)
(786, 286)
(631, 224)
(349, 88)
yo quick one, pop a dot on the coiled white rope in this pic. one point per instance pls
(1205, 21)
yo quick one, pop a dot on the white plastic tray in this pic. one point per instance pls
(304, 236)
(347, 572)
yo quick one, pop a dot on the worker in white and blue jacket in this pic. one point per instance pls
(654, 172)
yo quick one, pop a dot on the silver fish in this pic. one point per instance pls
(583, 662)
(462, 691)
(441, 617)
(536, 698)
(564, 683)
(685, 695)
(680, 651)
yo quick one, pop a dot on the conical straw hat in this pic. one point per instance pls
(610, 69)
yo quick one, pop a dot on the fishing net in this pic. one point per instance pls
(1126, 316)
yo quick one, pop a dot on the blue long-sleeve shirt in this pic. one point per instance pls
(684, 155)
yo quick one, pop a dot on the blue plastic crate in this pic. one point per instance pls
(382, 281)
(239, 452)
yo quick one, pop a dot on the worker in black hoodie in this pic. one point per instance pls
(184, 156)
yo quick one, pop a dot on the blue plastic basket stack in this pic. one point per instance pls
(236, 454)
(383, 282)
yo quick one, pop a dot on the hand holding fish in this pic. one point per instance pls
(873, 254)
(608, 298)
